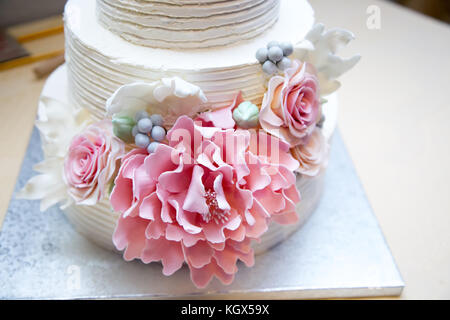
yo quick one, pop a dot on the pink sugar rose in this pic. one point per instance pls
(312, 154)
(291, 105)
(197, 202)
(91, 163)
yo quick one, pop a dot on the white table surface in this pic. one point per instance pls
(394, 118)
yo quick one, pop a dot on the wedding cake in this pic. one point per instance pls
(192, 133)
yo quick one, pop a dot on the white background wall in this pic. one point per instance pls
(18, 11)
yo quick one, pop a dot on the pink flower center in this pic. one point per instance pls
(215, 213)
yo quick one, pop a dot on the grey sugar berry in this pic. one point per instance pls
(152, 147)
(287, 48)
(273, 44)
(158, 133)
(145, 125)
(269, 67)
(134, 131)
(261, 55)
(157, 120)
(140, 115)
(284, 63)
(141, 140)
(275, 54)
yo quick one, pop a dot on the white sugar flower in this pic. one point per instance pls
(319, 48)
(168, 97)
(57, 124)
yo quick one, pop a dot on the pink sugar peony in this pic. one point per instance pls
(202, 198)
(291, 106)
(313, 154)
(91, 163)
(221, 118)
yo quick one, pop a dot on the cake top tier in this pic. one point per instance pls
(181, 24)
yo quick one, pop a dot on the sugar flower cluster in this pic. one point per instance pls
(196, 184)
(199, 205)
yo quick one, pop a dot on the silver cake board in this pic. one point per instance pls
(339, 252)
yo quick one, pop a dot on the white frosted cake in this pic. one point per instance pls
(188, 132)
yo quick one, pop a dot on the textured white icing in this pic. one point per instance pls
(187, 25)
(186, 9)
(99, 61)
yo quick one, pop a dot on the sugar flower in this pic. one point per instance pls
(312, 154)
(57, 123)
(91, 163)
(221, 117)
(202, 199)
(291, 105)
(320, 48)
(168, 97)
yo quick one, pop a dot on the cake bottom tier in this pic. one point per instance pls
(97, 223)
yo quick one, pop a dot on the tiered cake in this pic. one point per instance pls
(139, 76)
(100, 61)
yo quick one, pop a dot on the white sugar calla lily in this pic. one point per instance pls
(319, 48)
(57, 124)
(169, 97)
